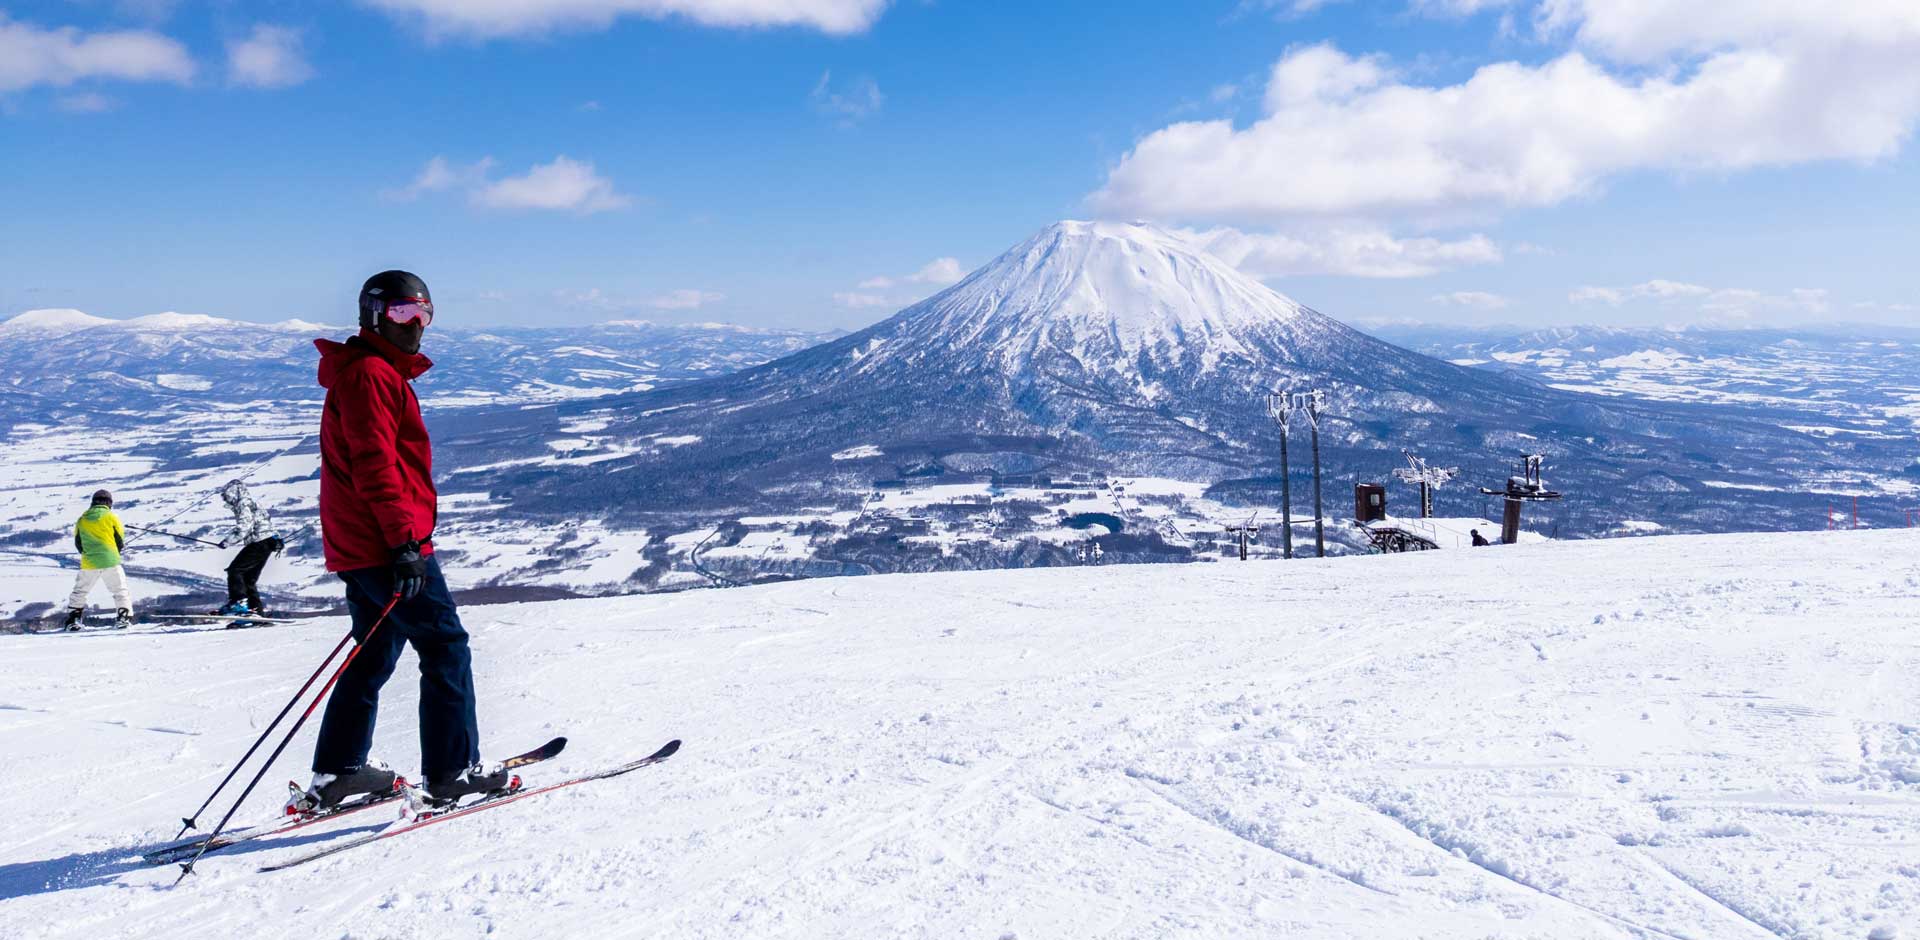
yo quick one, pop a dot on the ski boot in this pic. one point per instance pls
(123, 619)
(73, 617)
(328, 791)
(230, 609)
(446, 790)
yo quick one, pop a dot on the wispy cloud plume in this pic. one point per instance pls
(32, 55)
(504, 18)
(686, 299)
(1480, 300)
(849, 104)
(565, 185)
(1726, 303)
(1350, 250)
(268, 57)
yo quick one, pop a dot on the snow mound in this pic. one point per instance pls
(179, 321)
(61, 320)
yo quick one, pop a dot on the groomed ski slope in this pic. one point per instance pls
(1700, 737)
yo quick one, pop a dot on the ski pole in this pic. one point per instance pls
(175, 535)
(194, 820)
(187, 867)
(255, 468)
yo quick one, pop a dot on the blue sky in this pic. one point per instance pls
(819, 163)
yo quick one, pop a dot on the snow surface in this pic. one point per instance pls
(1695, 737)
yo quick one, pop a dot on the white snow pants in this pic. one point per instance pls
(115, 578)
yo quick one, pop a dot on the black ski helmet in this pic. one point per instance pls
(102, 498)
(385, 288)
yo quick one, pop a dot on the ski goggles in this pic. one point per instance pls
(411, 309)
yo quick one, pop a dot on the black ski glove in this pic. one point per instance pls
(274, 544)
(409, 570)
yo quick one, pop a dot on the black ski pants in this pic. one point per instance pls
(449, 731)
(243, 573)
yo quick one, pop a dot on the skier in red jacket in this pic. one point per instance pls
(377, 512)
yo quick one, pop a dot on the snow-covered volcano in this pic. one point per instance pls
(1135, 309)
(1099, 346)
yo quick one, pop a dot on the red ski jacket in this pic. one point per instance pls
(376, 463)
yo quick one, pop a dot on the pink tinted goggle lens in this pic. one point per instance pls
(410, 311)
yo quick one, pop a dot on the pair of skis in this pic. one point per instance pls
(514, 793)
(234, 621)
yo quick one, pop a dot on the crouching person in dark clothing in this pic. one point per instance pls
(378, 507)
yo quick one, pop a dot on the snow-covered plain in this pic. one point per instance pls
(1690, 737)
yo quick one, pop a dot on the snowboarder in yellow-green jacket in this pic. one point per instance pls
(99, 538)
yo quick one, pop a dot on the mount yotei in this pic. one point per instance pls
(1100, 351)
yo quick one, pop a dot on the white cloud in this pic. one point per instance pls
(1664, 289)
(940, 271)
(850, 104)
(1735, 303)
(1357, 251)
(1321, 73)
(30, 56)
(1610, 296)
(1717, 87)
(498, 18)
(565, 185)
(438, 176)
(858, 301)
(1471, 298)
(591, 299)
(599, 300)
(86, 102)
(269, 57)
(686, 299)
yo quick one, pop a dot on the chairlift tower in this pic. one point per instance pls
(1244, 534)
(1280, 407)
(1521, 489)
(1428, 479)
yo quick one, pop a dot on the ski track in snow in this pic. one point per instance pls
(1669, 737)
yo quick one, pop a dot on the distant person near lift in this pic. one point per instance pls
(378, 507)
(253, 532)
(99, 538)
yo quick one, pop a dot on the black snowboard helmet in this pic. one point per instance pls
(102, 498)
(385, 289)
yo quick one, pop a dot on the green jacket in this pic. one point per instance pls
(98, 537)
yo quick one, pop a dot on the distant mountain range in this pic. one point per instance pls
(1124, 348)
(1838, 381)
(64, 364)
